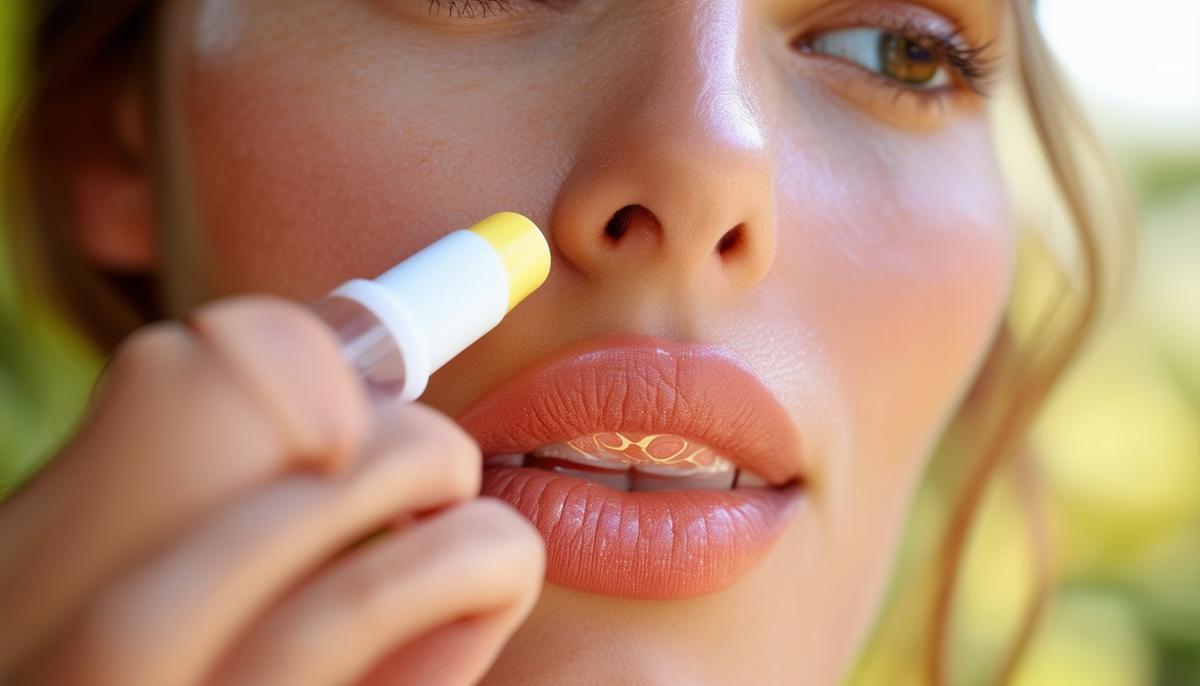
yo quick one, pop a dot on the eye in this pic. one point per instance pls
(909, 60)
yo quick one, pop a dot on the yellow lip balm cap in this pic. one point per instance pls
(434, 304)
(522, 249)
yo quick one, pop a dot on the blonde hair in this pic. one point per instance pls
(79, 43)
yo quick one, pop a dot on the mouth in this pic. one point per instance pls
(636, 462)
(652, 469)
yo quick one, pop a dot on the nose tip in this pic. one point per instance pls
(698, 228)
(678, 175)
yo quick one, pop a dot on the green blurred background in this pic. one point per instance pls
(1118, 445)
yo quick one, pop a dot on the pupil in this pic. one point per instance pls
(915, 52)
(905, 60)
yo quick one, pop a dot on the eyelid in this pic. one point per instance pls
(972, 67)
(908, 106)
(967, 48)
(892, 15)
(826, 43)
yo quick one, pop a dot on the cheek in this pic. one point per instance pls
(314, 160)
(903, 254)
(896, 263)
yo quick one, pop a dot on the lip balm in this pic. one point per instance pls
(400, 327)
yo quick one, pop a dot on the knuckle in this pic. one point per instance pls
(263, 321)
(291, 359)
(279, 312)
(266, 328)
(147, 354)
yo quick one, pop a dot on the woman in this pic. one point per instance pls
(781, 237)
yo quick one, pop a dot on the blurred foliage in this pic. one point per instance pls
(1118, 448)
(1161, 179)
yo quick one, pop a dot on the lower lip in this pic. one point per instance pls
(644, 544)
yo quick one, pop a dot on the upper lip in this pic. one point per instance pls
(647, 385)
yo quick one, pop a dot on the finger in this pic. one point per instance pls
(480, 562)
(186, 420)
(460, 652)
(173, 616)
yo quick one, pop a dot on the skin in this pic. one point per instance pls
(296, 147)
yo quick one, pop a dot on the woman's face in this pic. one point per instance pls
(813, 202)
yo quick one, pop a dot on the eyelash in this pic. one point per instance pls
(972, 68)
(972, 65)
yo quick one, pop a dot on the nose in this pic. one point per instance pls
(675, 179)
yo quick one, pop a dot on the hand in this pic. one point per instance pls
(200, 526)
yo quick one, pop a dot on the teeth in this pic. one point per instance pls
(721, 481)
(617, 472)
(562, 451)
(747, 479)
(618, 481)
(719, 466)
(506, 460)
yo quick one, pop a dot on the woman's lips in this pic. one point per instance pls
(653, 544)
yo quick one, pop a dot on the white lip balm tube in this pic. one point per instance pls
(402, 326)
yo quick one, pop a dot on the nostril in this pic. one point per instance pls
(619, 224)
(731, 240)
